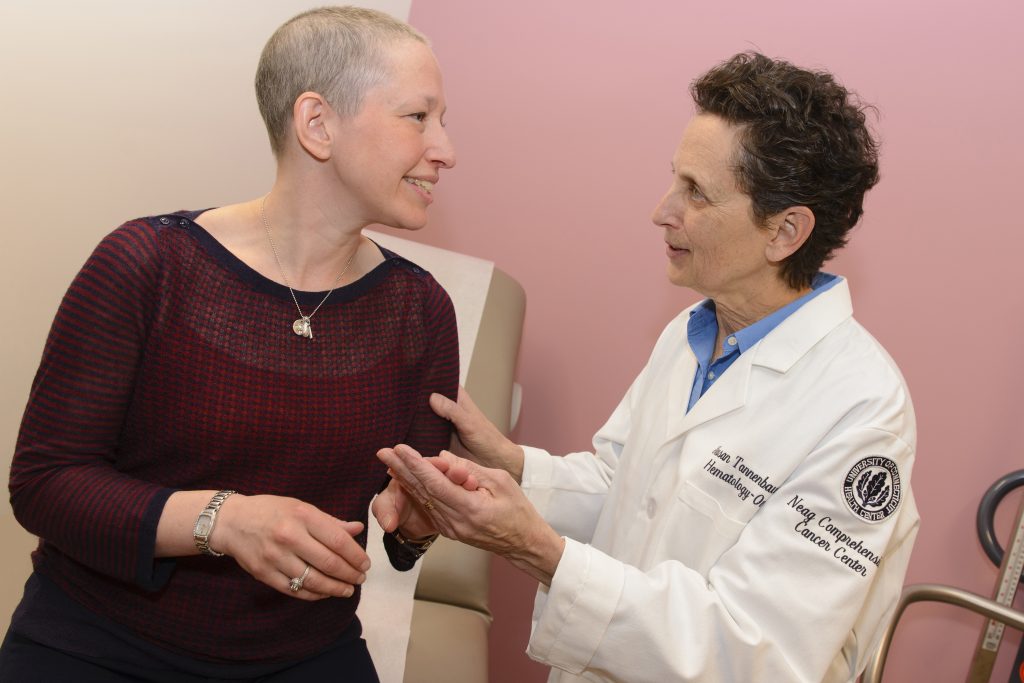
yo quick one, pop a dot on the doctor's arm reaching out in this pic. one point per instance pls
(473, 504)
(478, 438)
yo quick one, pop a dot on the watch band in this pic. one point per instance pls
(205, 522)
(415, 546)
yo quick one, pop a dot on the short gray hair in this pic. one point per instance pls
(337, 52)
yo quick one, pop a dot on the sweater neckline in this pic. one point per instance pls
(261, 283)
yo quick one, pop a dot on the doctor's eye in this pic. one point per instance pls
(420, 116)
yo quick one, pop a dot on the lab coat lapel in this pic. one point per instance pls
(680, 381)
(724, 396)
(778, 351)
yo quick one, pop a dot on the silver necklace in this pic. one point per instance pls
(302, 327)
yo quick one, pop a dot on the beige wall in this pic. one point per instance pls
(113, 109)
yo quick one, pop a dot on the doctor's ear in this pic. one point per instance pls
(794, 226)
(310, 115)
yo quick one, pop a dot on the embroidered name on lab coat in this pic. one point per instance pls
(741, 477)
(826, 534)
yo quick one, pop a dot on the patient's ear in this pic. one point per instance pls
(790, 229)
(309, 122)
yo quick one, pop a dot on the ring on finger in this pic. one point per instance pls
(295, 585)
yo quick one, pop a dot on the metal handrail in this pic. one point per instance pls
(931, 592)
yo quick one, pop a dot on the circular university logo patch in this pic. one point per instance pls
(872, 488)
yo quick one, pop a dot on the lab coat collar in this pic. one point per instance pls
(798, 333)
(778, 351)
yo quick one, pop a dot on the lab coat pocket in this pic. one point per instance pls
(702, 530)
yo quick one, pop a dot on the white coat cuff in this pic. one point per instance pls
(580, 603)
(538, 466)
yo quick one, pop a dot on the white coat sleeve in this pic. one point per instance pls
(777, 605)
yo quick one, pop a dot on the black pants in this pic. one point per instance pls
(25, 661)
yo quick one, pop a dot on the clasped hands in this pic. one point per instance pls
(464, 500)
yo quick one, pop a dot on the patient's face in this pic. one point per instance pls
(390, 154)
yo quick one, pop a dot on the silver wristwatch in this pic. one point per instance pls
(204, 525)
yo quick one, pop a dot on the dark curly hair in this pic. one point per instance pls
(804, 142)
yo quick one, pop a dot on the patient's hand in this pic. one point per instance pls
(394, 507)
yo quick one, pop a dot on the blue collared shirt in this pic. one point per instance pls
(702, 330)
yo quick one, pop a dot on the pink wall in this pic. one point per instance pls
(565, 115)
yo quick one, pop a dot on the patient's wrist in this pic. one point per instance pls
(414, 534)
(414, 546)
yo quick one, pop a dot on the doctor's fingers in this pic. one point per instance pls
(458, 470)
(493, 517)
(456, 412)
(459, 417)
(425, 484)
(475, 431)
(415, 474)
(491, 497)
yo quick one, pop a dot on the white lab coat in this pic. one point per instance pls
(719, 545)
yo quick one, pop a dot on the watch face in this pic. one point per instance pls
(204, 525)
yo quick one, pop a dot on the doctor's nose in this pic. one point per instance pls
(662, 215)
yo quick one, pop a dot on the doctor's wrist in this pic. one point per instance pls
(513, 457)
(539, 557)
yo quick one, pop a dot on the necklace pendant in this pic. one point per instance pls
(302, 327)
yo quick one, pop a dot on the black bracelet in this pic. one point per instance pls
(416, 546)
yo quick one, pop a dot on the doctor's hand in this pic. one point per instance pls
(478, 506)
(481, 441)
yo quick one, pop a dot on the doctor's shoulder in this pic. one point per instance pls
(857, 363)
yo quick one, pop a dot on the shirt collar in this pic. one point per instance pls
(703, 321)
(754, 333)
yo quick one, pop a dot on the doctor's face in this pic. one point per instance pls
(713, 243)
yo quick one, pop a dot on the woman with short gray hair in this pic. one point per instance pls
(197, 453)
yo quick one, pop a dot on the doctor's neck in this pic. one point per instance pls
(733, 316)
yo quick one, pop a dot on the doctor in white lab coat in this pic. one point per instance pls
(746, 513)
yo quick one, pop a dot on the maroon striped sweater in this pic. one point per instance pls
(171, 365)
